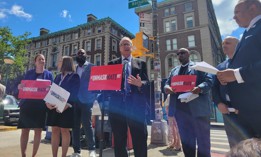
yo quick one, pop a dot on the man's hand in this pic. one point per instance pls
(20, 86)
(168, 90)
(196, 90)
(226, 76)
(135, 81)
(223, 108)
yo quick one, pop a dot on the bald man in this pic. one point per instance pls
(127, 107)
(243, 76)
(221, 98)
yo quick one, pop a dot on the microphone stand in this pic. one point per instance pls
(102, 123)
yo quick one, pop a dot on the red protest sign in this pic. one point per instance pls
(106, 77)
(34, 89)
(183, 83)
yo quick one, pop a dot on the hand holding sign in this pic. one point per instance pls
(33, 89)
(57, 96)
(183, 83)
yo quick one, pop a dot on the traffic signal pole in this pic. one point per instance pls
(157, 65)
(159, 129)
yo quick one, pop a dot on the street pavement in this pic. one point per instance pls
(9, 145)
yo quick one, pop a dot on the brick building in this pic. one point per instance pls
(99, 37)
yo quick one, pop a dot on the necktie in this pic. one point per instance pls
(126, 75)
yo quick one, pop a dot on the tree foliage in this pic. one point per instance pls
(15, 45)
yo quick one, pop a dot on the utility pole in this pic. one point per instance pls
(159, 126)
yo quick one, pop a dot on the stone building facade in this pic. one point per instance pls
(99, 37)
(188, 24)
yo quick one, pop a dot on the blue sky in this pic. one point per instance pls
(31, 15)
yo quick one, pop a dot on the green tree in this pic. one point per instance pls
(15, 45)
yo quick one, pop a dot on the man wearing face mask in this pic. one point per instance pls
(83, 109)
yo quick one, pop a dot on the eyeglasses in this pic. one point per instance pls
(126, 44)
(181, 53)
(80, 53)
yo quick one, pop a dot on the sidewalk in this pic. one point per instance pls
(11, 150)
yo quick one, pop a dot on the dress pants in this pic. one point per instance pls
(194, 131)
(82, 116)
(235, 132)
(125, 114)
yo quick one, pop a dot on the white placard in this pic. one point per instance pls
(57, 96)
(205, 67)
(187, 97)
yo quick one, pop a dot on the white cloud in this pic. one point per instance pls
(2, 14)
(224, 10)
(217, 2)
(65, 14)
(19, 12)
(15, 10)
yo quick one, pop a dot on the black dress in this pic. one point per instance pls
(33, 111)
(71, 83)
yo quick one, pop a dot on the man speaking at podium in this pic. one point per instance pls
(127, 107)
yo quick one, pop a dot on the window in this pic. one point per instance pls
(194, 57)
(99, 29)
(54, 60)
(88, 58)
(68, 37)
(44, 53)
(97, 60)
(76, 35)
(173, 25)
(88, 46)
(172, 11)
(37, 45)
(189, 21)
(170, 25)
(168, 45)
(167, 26)
(114, 31)
(89, 31)
(44, 43)
(172, 62)
(75, 49)
(166, 12)
(174, 44)
(114, 45)
(66, 50)
(191, 41)
(98, 44)
(188, 7)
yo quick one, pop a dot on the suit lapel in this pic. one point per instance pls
(246, 34)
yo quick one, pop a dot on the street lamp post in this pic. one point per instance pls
(8, 60)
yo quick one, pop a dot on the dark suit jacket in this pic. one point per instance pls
(138, 95)
(219, 91)
(71, 83)
(247, 96)
(200, 106)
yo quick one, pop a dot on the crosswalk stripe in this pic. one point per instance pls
(224, 150)
(220, 143)
(218, 138)
(218, 135)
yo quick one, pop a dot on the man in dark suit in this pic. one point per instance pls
(127, 107)
(222, 100)
(193, 117)
(243, 76)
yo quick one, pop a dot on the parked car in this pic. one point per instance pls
(11, 110)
